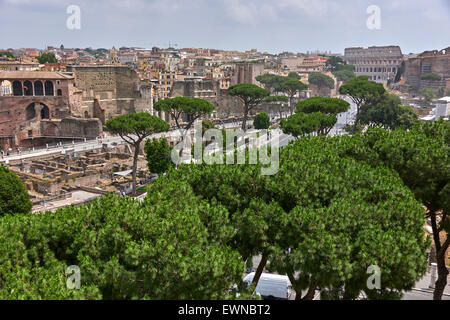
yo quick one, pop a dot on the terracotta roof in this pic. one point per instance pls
(6, 75)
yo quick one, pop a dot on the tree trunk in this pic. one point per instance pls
(298, 294)
(244, 122)
(135, 161)
(441, 282)
(260, 269)
(311, 293)
(291, 108)
(440, 259)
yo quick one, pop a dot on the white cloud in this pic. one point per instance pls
(253, 12)
(310, 7)
(247, 12)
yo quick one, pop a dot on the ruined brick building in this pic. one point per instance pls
(109, 91)
(437, 62)
(209, 90)
(39, 107)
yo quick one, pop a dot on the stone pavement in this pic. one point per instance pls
(78, 197)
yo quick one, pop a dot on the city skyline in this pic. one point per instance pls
(296, 26)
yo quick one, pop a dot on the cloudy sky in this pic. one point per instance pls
(267, 25)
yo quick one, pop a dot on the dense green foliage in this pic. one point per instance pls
(428, 95)
(431, 76)
(317, 114)
(163, 248)
(207, 125)
(340, 69)
(271, 81)
(421, 157)
(362, 92)
(388, 113)
(261, 121)
(158, 155)
(14, 198)
(6, 54)
(334, 64)
(47, 58)
(323, 104)
(336, 206)
(325, 214)
(302, 124)
(344, 75)
(321, 80)
(294, 75)
(272, 99)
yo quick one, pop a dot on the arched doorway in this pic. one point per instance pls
(17, 88)
(31, 112)
(49, 90)
(38, 88)
(5, 88)
(28, 88)
(45, 112)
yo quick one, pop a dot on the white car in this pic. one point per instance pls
(272, 286)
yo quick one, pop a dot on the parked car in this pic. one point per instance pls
(272, 286)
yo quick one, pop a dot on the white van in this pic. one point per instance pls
(272, 286)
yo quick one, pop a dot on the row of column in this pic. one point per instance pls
(28, 88)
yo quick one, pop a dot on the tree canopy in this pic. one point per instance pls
(337, 206)
(420, 156)
(291, 88)
(344, 75)
(48, 57)
(251, 95)
(322, 220)
(158, 154)
(261, 121)
(388, 113)
(431, 76)
(6, 54)
(164, 248)
(333, 63)
(271, 81)
(294, 75)
(314, 115)
(362, 92)
(321, 80)
(193, 108)
(14, 198)
(278, 98)
(301, 124)
(428, 95)
(133, 128)
(323, 104)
